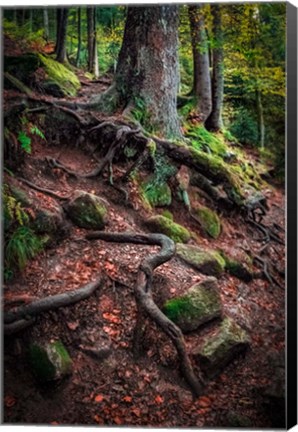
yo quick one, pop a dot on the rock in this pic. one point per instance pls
(58, 79)
(86, 210)
(234, 419)
(200, 304)
(237, 268)
(220, 349)
(49, 222)
(163, 225)
(158, 195)
(206, 261)
(49, 361)
(209, 221)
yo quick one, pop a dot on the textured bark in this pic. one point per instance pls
(92, 47)
(201, 77)
(147, 72)
(62, 17)
(260, 119)
(214, 120)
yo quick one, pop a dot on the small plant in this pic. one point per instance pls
(25, 141)
(30, 129)
(21, 247)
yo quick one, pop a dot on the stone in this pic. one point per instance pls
(209, 221)
(49, 361)
(234, 419)
(206, 261)
(200, 304)
(236, 268)
(164, 225)
(221, 348)
(86, 210)
(158, 195)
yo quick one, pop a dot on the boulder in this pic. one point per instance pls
(164, 225)
(236, 268)
(200, 304)
(221, 348)
(209, 221)
(86, 210)
(49, 361)
(205, 261)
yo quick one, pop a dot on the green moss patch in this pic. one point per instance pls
(59, 76)
(87, 210)
(49, 361)
(206, 261)
(237, 268)
(209, 220)
(163, 225)
(218, 350)
(199, 305)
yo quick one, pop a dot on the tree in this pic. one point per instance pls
(60, 49)
(46, 24)
(92, 44)
(201, 74)
(214, 120)
(79, 38)
(147, 71)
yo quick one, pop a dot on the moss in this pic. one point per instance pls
(59, 75)
(50, 361)
(236, 268)
(210, 221)
(200, 304)
(157, 195)
(168, 214)
(206, 261)
(87, 210)
(204, 140)
(161, 224)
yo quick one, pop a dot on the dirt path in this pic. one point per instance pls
(121, 390)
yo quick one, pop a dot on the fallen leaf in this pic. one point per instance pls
(127, 398)
(99, 398)
(159, 399)
(118, 420)
(98, 419)
(9, 401)
(204, 402)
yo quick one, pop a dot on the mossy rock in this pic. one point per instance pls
(199, 305)
(221, 348)
(86, 210)
(164, 225)
(158, 195)
(20, 195)
(167, 214)
(49, 361)
(49, 222)
(209, 220)
(59, 80)
(208, 262)
(237, 268)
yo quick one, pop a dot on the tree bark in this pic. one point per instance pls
(92, 46)
(79, 38)
(214, 120)
(201, 74)
(46, 24)
(147, 74)
(62, 17)
(261, 119)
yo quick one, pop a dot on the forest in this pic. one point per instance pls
(143, 208)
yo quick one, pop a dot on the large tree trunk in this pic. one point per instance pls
(79, 38)
(92, 46)
(62, 17)
(214, 121)
(147, 74)
(201, 74)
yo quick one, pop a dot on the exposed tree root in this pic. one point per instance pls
(145, 302)
(52, 302)
(17, 326)
(44, 190)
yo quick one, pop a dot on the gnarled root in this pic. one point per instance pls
(144, 298)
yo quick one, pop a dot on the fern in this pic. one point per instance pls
(21, 247)
(25, 141)
(34, 130)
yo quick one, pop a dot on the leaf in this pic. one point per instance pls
(127, 398)
(98, 419)
(99, 398)
(25, 141)
(204, 402)
(9, 401)
(111, 318)
(159, 399)
(118, 420)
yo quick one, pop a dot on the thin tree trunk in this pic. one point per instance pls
(61, 43)
(214, 120)
(79, 38)
(201, 77)
(30, 20)
(261, 119)
(58, 28)
(46, 24)
(92, 46)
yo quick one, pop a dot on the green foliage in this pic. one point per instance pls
(25, 141)
(204, 140)
(20, 241)
(245, 127)
(35, 131)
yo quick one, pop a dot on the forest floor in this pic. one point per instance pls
(123, 390)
